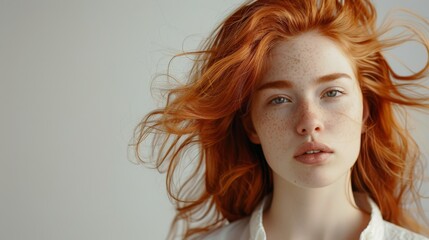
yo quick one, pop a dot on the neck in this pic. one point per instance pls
(314, 213)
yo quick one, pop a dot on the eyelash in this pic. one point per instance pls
(274, 101)
(337, 91)
(285, 100)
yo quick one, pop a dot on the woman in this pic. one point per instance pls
(291, 108)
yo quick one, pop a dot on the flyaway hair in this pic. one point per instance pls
(230, 175)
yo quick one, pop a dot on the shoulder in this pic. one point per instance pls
(380, 229)
(393, 231)
(233, 231)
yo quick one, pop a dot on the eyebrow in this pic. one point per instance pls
(289, 84)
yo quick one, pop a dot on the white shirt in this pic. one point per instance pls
(251, 228)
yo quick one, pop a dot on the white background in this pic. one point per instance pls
(74, 81)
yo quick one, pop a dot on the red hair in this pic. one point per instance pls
(231, 175)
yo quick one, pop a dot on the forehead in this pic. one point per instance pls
(308, 55)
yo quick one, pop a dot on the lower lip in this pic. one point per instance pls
(315, 158)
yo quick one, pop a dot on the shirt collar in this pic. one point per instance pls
(374, 230)
(257, 231)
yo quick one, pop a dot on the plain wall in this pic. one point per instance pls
(74, 81)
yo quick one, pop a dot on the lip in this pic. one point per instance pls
(301, 156)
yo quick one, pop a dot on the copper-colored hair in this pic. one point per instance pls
(231, 175)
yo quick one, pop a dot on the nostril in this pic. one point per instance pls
(304, 130)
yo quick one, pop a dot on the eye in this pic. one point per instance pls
(333, 93)
(279, 100)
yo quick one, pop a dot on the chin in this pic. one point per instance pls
(314, 183)
(318, 179)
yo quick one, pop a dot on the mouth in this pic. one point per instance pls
(312, 148)
(312, 152)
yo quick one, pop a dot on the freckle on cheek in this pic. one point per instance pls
(269, 124)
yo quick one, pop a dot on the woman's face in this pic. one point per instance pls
(307, 112)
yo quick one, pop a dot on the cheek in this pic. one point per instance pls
(270, 126)
(346, 120)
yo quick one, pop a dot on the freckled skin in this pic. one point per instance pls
(334, 121)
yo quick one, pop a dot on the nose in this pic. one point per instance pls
(309, 120)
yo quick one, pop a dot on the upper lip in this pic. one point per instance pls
(312, 146)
